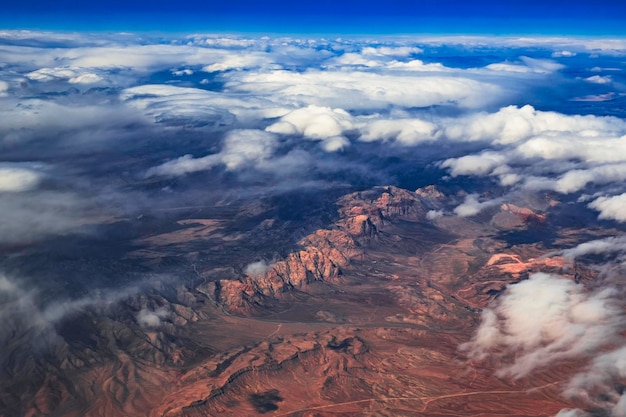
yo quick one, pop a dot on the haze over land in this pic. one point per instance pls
(211, 224)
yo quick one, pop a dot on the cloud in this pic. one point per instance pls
(599, 384)
(73, 75)
(596, 247)
(471, 206)
(434, 214)
(317, 123)
(4, 88)
(31, 216)
(365, 90)
(513, 124)
(568, 412)
(149, 319)
(481, 164)
(239, 62)
(77, 123)
(578, 179)
(599, 79)
(194, 106)
(397, 51)
(536, 150)
(16, 178)
(407, 132)
(563, 54)
(527, 65)
(543, 320)
(22, 309)
(257, 268)
(611, 208)
(241, 149)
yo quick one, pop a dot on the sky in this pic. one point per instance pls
(603, 17)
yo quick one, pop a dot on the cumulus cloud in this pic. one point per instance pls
(599, 384)
(404, 131)
(513, 124)
(238, 62)
(241, 149)
(471, 206)
(545, 319)
(257, 268)
(15, 178)
(434, 214)
(149, 318)
(563, 54)
(596, 247)
(582, 151)
(395, 51)
(599, 79)
(611, 208)
(317, 123)
(481, 164)
(527, 65)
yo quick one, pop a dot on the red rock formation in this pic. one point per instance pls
(326, 251)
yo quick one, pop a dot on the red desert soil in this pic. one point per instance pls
(364, 317)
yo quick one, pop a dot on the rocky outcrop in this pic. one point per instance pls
(325, 252)
(364, 212)
(512, 216)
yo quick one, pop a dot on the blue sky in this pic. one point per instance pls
(603, 17)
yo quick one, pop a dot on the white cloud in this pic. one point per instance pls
(397, 51)
(355, 60)
(360, 89)
(230, 42)
(568, 412)
(545, 319)
(563, 54)
(527, 65)
(314, 122)
(186, 71)
(471, 206)
(14, 178)
(434, 214)
(481, 164)
(4, 88)
(257, 268)
(581, 150)
(599, 246)
(405, 131)
(239, 61)
(148, 318)
(240, 149)
(597, 384)
(26, 119)
(611, 208)
(599, 79)
(578, 179)
(73, 75)
(512, 124)
(165, 103)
